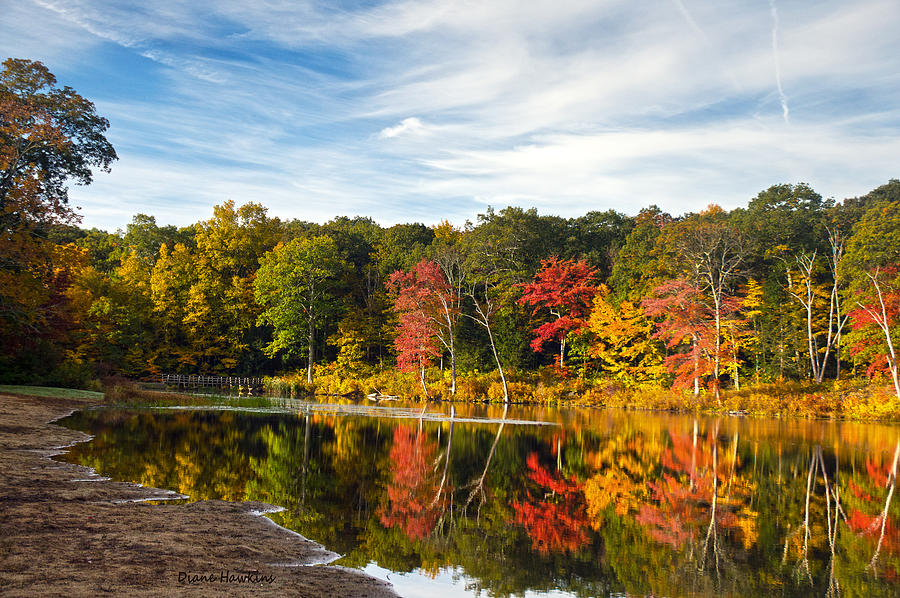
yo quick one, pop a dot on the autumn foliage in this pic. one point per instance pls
(565, 290)
(555, 516)
(413, 498)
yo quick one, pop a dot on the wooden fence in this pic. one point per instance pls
(192, 381)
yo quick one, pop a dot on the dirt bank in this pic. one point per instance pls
(63, 537)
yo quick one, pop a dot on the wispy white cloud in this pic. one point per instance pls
(429, 109)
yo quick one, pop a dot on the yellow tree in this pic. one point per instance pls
(621, 338)
(221, 314)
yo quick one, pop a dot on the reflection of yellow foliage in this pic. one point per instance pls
(605, 489)
(749, 530)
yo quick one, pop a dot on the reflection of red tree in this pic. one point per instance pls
(411, 495)
(879, 472)
(869, 514)
(682, 498)
(556, 523)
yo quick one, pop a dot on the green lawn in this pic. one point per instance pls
(47, 391)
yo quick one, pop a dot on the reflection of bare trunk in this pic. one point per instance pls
(305, 461)
(694, 457)
(734, 446)
(887, 505)
(833, 585)
(559, 462)
(712, 531)
(478, 485)
(440, 490)
(804, 562)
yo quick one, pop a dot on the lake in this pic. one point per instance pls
(479, 500)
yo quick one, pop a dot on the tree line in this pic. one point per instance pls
(792, 286)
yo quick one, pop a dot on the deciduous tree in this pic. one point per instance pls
(49, 136)
(622, 339)
(294, 287)
(565, 289)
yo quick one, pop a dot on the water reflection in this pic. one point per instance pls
(601, 503)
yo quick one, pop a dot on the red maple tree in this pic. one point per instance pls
(427, 308)
(565, 289)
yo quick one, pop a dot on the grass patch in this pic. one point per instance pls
(49, 391)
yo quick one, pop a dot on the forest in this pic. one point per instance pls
(515, 305)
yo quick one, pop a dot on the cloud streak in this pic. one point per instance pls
(786, 113)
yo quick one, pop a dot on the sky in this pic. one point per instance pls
(419, 111)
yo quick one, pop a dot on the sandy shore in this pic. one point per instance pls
(63, 536)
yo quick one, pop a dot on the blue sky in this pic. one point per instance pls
(424, 110)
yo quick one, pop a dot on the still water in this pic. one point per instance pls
(472, 500)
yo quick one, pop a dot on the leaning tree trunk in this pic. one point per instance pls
(422, 379)
(452, 363)
(499, 365)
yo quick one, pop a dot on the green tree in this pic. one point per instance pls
(597, 237)
(294, 285)
(645, 260)
(145, 237)
(170, 284)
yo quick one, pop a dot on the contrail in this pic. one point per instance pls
(692, 23)
(690, 20)
(784, 105)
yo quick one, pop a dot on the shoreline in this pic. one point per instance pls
(64, 536)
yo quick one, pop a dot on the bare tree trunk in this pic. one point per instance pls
(483, 312)
(499, 365)
(452, 364)
(736, 369)
(806, 265)
(718, 357)
(422, 379)
(836, 240)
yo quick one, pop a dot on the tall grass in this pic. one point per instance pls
(856, 399)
